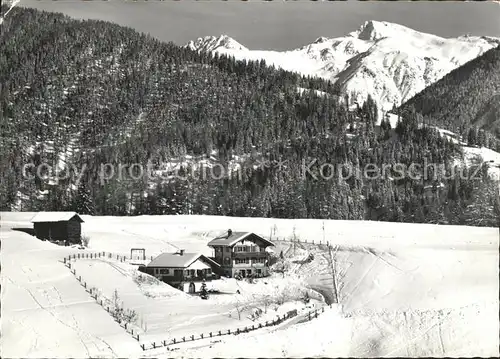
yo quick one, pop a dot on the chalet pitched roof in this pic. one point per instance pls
(55, 217)
(178, 261)
(233, 238)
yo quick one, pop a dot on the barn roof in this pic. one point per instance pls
(177, 260)
(55, 217)
(233, 238)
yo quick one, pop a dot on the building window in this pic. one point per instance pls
(259, 271)
(164, 271)
(242, 261)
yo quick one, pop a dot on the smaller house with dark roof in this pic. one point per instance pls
(58, 226)
(241, 254)
(186, 271)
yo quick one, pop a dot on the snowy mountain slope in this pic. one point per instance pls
(386, 60)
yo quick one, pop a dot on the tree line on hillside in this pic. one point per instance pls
(79, 94)
(466, 101)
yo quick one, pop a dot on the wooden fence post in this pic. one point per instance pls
(220, 333)
(183, 339)
(154, 345)
(201, 335)
(229, 331)
(142, 346)
(173, 340)
(210, 334)
(192, 337)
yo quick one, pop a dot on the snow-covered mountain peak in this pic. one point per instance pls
(387, 61)
(213, 43)
(375, 30)
(320, 40)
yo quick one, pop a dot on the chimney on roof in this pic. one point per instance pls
(181, 252)
(229, 232)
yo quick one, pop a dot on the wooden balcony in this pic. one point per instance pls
(235, 255)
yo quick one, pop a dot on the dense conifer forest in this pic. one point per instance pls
(79, 94)
(466, 101)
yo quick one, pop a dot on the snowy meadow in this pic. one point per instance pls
(403, 289)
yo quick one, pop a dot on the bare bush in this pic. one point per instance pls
(240, 308)
(122, 315)
(85, 239)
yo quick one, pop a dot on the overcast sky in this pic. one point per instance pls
(279, 25)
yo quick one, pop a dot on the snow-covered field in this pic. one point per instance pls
(166, 313)
(404, 289)
(485, 155)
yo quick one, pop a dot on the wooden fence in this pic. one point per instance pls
(95, 255)
(194, 337)
(164, 343)
(303, 241)
(131, 329)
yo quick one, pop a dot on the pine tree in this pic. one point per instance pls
(83, 203)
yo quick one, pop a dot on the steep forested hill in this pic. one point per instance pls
(466, 101)
(78, 97)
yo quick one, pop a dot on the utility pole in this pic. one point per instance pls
(323, 227)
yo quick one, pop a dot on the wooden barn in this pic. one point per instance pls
(58, 226)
